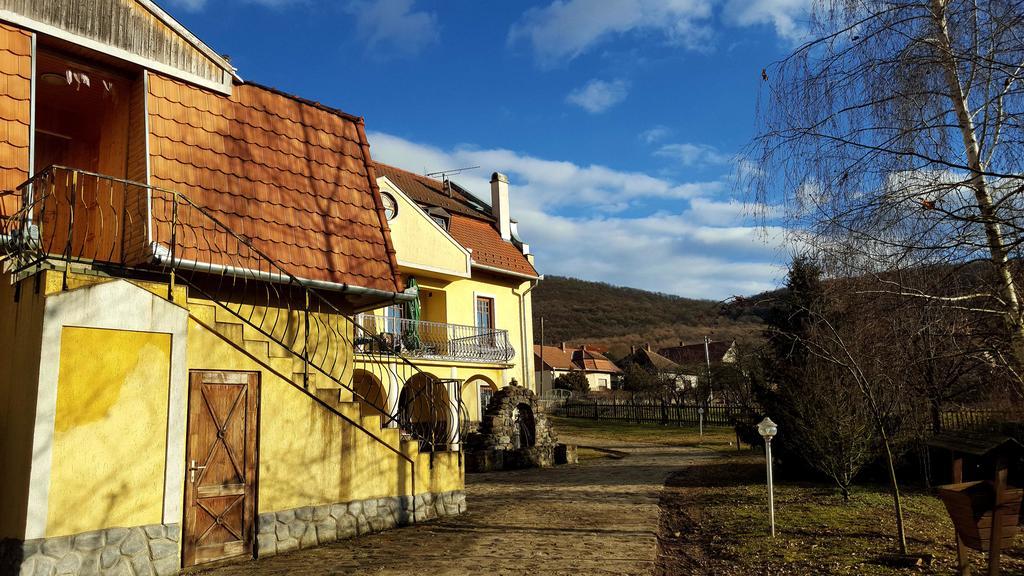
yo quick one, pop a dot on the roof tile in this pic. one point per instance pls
(487, 246)
(15, 111)
(292, 177)
(470, 226)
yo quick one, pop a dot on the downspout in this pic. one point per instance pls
(526, 346)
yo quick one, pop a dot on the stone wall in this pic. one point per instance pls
(156, 550)
(310, 526)
(145, 550)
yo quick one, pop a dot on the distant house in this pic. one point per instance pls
(646, 357)
(693, 359)
(555, 361)
(689, 355)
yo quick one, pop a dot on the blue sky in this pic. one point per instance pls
(618, 122)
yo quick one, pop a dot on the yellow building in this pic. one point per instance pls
(474, 278)
(182, 378)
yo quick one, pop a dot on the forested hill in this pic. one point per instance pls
(578, 312)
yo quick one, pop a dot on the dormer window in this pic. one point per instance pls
(439, 215)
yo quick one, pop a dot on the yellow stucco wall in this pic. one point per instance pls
(309, 456)
(471, 376)
(461, 298)
(471, 386)
(416, 239)
(454, 302)
(110, 430)
(21, 325)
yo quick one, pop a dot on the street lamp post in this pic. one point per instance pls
(767, 429)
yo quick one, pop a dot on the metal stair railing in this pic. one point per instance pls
(70, 216)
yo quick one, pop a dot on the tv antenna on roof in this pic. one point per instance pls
(444, 174)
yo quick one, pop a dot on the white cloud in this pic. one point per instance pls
(541, 184)
(598, 96)
(655, 134)
(393, 27)
(190, 5)
(197, 5)
(727, 213)
(565, 29)
(622, 227)
(689, 154)
(788, 17)
(660, 252)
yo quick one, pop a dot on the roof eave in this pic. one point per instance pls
(497, 270)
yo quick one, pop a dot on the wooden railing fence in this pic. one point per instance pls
(667, 413)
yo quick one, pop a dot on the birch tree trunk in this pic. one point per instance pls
(978, 182)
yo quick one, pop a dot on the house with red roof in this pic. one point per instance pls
(555, 361)
(183, 379)
(473, 318)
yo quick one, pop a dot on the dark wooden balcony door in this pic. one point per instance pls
(220, 472)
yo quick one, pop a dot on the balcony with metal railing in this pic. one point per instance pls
(433, 340)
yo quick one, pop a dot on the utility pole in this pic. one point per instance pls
(707, 360)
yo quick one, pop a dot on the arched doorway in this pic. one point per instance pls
(424, 411)
(371, 394)
(524, 425)
(476, 395)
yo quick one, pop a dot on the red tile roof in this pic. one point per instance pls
(694, 353)
(15, 111)
(470, 226)
(487, 246)
(574, 359)
(431, 192)
(593, 361)
(650, 359)
(555, 358)
(293, 176)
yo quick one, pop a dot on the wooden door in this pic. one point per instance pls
(220, 471)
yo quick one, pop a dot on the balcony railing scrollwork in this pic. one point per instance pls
(425, 339)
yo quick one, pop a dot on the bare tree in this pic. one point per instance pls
(896, 140)
(859, 345)
(831, 358)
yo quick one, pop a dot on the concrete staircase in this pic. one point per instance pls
(291, 366)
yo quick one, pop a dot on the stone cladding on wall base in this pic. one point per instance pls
(311, 526)
(143, 550)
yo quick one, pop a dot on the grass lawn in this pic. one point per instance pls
(726, 505)
(716, 438)
(715, 518)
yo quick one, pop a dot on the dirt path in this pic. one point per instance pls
(600, 517)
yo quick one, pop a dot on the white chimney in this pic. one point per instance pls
(499, 204)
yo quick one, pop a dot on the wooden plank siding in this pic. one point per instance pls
(126, 25)
(136, 209)
(15, 113)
